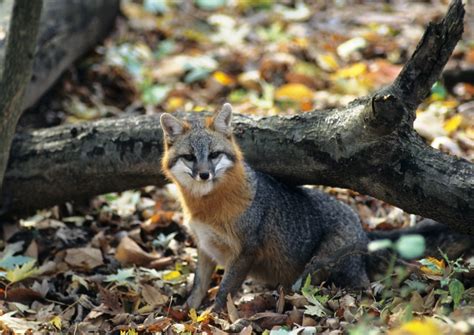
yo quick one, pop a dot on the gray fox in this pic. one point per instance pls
(248, 221)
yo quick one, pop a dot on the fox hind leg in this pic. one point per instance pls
(345, 267)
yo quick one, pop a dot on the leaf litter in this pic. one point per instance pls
(124, 264)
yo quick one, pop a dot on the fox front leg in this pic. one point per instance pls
(202, 279)
(234, 275)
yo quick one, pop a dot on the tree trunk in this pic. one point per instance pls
(369, 146)
(67, 30)
(17, 41)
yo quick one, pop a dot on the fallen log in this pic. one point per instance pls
(67, 30)
(369, 146)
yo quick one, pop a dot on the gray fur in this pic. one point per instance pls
(302, 223)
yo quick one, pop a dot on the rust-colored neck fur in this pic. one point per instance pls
(224, 203)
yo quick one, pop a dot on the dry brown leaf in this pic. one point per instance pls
(153, 296)
(87, 258)
(18, 325)
(297, 300)
(416, 302)
(158, 325)
(231, 309)
(267, 320)
(259, 303)
(161, 263)
(295, 316)
(280, 305)
(110, 301)
(23, 295)
(129, 252)
(246, 331)
(308, 321)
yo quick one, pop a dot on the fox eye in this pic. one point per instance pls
(189, 157)
(214, 155)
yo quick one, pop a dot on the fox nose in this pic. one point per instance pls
(204, 175)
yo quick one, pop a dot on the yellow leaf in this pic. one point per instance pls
(56, 322)
(174, 103)
(21, 272)
(172, 275)
(296, 92)
(352, 71)
(199, 109)
(426, 326)
(223, 78)
(436, 267)
(204, 315)
(327, 62)
(193, 315)
(303, 43)
(453, 123)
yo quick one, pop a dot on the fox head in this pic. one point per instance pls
(199, 153)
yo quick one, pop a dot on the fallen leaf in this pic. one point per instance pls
(352, 71)
(87, 258)
(432, 266)
(172, 275)
(327, 62)
(344, 50)
(56, 322)
(295, 92)
(161, 263)
(153, 296)
(427, 326)
(122, 276)
(223, 78)
(111, 301)
(267, 320)
(161, 219)
(19, 325)
(20, 272)
(452, 123)
(129, 252)
(158, 325)
(231, 309)
(23, 295)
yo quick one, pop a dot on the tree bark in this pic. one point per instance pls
(67, 30)
(18, 39)
(369, 146)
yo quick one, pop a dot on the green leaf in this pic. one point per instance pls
(210, 4)
(122, 277)
(456, 289)
(197, 74)
(155, 6)
(156, 94)
(165, 48)
(163, 240)
(379, 244)
(438, 92)
(9, 261)
(315, 310)
(410, 246)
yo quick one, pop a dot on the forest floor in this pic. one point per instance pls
(122, 262)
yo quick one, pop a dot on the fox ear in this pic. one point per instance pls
(223, 119)
(171, 126)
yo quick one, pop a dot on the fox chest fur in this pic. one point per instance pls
(212, 219)
(215, 243)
